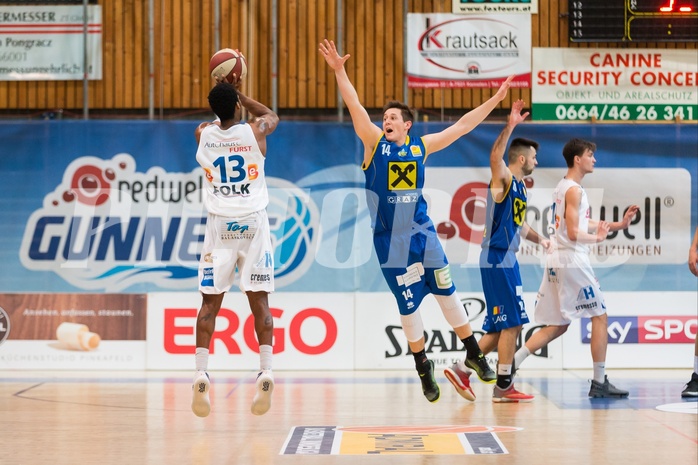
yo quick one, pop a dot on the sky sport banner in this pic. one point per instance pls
(495, 6)
(581, 84)
(455, 51)
(46, 43)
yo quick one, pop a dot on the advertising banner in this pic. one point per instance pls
(495, 6)
(656, 235)
(46, 43)
(312, 331)
(577, 84)
(645, 330)
(383, 344)
(122, 211)
(457, 51)
(72, 331)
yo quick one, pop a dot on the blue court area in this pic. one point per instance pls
(645, 393)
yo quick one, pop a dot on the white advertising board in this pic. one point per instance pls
(494, 6)
(46, 42)
(383, 344)
(462, 51)
(656, 236)
(312, 331)
(645, 330)
(577, 84)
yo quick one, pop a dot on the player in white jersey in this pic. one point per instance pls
(232, 154)
(569, 289)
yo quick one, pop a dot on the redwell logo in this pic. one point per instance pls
(646, 329)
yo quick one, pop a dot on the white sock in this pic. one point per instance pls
(265, 352)
(600, 372)
(504, 369)
(520, 356)
(695, 364)
(201, 359)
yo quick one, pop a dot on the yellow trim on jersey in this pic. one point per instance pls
(365, 165)
(426, 151)
(505, 191)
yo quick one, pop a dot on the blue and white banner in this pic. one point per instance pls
(116, 206)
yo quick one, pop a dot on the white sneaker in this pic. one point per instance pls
(262, 398)
(200, 403)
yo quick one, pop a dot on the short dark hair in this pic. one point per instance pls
(223, 99)
(407, 113)
(575, 148)
(519, 146)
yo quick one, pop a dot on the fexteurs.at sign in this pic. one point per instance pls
(495, 6)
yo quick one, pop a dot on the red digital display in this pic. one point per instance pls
(663, 6)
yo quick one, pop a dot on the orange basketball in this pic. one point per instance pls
(228, 63)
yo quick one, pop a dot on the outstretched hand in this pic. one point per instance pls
(629, 215)
(602, 230)
(515, 117)
(329, 50)
(504, 88)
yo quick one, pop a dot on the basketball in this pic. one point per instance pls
(228, 62)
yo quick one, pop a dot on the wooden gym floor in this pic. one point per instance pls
(347, 417)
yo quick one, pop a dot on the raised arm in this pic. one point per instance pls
(365, 129)
(467, 122)
(501, 175)
(264, 120)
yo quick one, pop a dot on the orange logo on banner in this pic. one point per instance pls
(396, 440)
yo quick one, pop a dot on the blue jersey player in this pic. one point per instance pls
(411, 257)
(505, 225)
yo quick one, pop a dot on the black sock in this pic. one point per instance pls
(504, 381)
(472, 350)
(421, 362)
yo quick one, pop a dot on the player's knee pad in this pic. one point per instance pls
(453, 309)
(412, 326)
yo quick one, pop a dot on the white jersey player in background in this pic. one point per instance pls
(569, 289)
(232, 154)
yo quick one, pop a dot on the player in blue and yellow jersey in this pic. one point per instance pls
(411, 257)
(505, 225)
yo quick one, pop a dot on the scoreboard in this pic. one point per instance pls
(633, 20)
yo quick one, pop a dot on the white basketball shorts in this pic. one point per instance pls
(569, 289)
(232, 243)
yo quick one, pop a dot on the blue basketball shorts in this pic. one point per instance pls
(501, 283)
(413, 265)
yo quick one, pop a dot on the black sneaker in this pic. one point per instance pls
(605, 389)
(692, 387)
(482, 368)
(429, 387)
